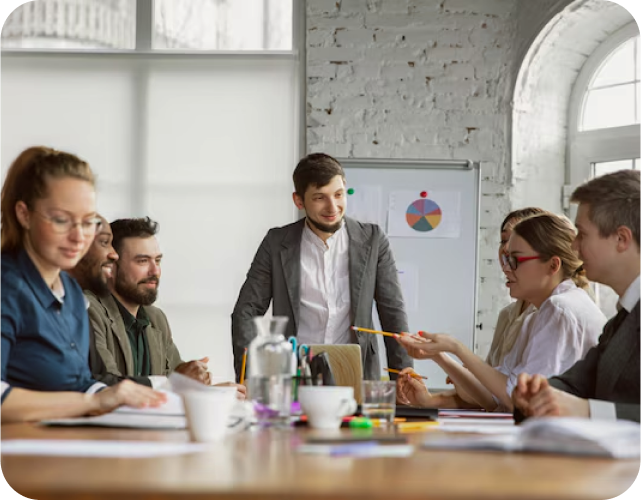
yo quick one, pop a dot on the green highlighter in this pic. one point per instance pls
(361, 423)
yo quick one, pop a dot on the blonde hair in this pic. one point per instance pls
(26, 181)
(550, 236)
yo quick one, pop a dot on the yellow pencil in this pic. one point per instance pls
(242, 369)
(412, 374)
(377, 332)
(416, 426)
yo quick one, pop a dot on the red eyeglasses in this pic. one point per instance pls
(513, 261)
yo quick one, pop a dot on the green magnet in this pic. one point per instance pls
(350, 191)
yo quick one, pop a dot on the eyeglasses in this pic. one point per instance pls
(63, 224)
(513, 261)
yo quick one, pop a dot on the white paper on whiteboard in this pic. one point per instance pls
(408, 279)
(365, 204)
(436, 216)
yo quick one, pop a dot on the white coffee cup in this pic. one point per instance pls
(325, 406)
(208, 412)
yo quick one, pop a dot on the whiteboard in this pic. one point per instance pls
(438, 266)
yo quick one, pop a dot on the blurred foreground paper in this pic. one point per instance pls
(97, 448)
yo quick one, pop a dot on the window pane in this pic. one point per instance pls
(204, 181)
(223, 24)
(618, 67)
(66, 24)
(607, 167)
(636, 61)
(609, 107)
(59, 91)
(638, 117)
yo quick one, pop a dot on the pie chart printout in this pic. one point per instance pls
(423, 215)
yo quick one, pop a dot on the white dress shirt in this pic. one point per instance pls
(324, 289)
(555, 336)
(606, 410)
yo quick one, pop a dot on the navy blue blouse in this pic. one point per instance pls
(45, 341)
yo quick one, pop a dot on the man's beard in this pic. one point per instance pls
(133, 294)
(90, 271)
(97, 284)
(326, 228)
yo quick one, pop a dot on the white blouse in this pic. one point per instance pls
(555, 336)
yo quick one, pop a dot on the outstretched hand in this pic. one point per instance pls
(427, 345)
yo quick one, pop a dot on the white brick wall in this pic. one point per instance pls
(428, 79)
(418, 79)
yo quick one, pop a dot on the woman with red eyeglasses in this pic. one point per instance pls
(542, 269)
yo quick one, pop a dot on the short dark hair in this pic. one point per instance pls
(613, 201)
(519, 215)
(142, 227)
(317, 169)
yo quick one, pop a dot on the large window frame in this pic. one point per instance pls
(138, 182)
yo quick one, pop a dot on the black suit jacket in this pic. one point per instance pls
(609, 371)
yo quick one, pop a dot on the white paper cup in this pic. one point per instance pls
(325, 406)
(208, 412)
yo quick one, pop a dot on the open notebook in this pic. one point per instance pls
(571, 436)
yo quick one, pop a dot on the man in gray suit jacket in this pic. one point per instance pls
(130, 338)
(324, 272)
(605, 384)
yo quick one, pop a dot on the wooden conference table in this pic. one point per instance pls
(262, 465)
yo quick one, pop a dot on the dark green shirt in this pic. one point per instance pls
(135, 328)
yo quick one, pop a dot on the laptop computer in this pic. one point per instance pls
(346, 364)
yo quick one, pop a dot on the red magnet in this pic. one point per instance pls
(423, 194)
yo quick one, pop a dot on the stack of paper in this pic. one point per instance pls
(573, 436)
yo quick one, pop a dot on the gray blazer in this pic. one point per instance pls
(274, 275)
(609, 371)
(110, 356)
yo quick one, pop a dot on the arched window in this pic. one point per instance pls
(604, 134)
(611, 97)
(604, 112)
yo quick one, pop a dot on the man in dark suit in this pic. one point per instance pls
(605, 384)
(324, 272)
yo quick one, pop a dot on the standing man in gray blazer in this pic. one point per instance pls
(605, 384)
(324, 272)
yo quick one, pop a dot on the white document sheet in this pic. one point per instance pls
(365, 204)
(96, 448)
(408, 279)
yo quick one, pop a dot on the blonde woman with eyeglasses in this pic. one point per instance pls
(48, 223)
(543, 270)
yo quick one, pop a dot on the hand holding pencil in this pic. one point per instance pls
(410, 390)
